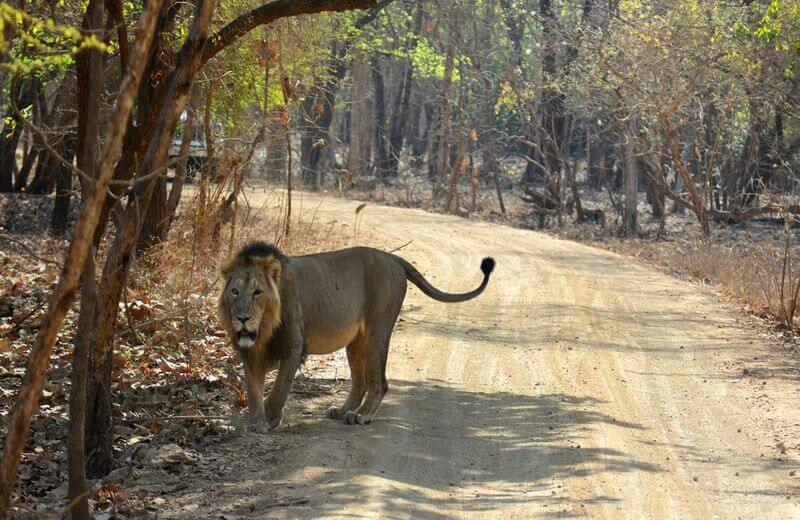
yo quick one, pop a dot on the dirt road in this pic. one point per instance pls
(579, 384)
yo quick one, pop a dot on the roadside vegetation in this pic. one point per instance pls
(132, 133)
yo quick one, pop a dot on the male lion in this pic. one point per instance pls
(278, 308)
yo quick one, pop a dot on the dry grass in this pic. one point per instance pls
(763, 276)
(180, 281)
(174, 379)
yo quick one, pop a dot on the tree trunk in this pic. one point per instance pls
(43, 177)
(89, 84)
(630, 212)
(29, 157)
(318, 115)
(64, 293)
(402, 103)
(118, 260)
(181, 166)
(445, 111)
(553, 122)
(153, 224)
(655, 195)
(382, 157)
(360, 135)
(694, 196)
(275, 144)
(422, 131)
(8, 145)
(399, 122)
(63, 180)
(289, 173)
(76, 457)
(47, 168)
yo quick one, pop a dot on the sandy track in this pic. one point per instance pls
(579, 384)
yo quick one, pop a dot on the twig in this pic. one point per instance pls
(18, 324)
(400, 247)
(29, 250)
(193, 417)
(288, 503)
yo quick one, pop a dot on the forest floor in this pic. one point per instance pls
(581, 383)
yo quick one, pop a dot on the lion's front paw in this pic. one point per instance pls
(275, 422)
(352, 417)
(258, 426)
(334, 413)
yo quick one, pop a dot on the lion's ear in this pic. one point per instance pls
(274, 270)
(228, 267)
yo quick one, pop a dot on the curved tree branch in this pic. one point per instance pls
(272, 11)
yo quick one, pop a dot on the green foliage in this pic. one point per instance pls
(42, 45)
(296, 51)
(427, 62)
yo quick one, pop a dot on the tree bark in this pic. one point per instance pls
(76, 458)
(89, 76)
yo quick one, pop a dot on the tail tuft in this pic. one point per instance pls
(487, 265)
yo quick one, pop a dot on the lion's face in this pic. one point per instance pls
(250, 301)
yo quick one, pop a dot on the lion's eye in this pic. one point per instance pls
(257, 292)
(235, 291)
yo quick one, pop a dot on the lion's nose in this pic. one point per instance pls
(243, 319)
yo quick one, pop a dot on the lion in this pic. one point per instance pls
(277, 309)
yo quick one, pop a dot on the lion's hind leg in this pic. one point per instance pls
(358, 380)
(375, 364)
(380, 323)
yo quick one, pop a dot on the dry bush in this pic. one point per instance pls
(765, 277)
(182, 280)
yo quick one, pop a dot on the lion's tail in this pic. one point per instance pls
(415, 277)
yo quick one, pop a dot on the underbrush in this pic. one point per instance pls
(174, 379)
(764, 276)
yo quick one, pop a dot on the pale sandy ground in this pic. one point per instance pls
(579, 384)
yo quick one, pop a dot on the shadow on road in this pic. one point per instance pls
(517, 447)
